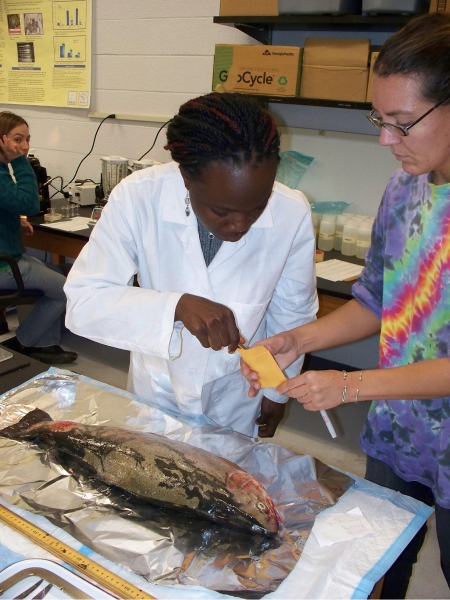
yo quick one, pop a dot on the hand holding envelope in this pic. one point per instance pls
(262, 362)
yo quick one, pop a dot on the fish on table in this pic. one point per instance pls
(158, 470)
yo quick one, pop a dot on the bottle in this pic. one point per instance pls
(340, 222)
(363, 239)
(349, 237)
(326, 233)
(316, 218)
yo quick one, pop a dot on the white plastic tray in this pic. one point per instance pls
(17, 578)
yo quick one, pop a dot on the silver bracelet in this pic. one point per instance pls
(344, 394)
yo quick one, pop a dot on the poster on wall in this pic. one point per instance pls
(45, 52)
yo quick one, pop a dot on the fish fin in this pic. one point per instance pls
(27, 424)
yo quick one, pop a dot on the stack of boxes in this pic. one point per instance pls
(326, 68)
(238, 8)
(269, 70)
(335, 69)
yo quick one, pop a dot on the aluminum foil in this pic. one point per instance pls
(163, 546)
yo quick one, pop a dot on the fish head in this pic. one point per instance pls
(252, 498)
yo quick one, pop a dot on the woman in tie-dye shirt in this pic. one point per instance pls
(403, 293)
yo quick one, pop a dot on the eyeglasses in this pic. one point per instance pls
(400, 130)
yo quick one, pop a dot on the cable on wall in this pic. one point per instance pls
(112, 116)
(156, 137)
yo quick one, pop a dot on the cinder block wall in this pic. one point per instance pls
(148, 57)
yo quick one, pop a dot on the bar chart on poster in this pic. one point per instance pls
(45, 52)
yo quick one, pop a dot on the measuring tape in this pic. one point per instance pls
(90, 568)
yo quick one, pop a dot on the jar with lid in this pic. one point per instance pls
(326, 233)
(51, 215)
(341, 220)
(363, 239)
(349, 236)
(316, 218)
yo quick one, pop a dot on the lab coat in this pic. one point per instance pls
(267, 278)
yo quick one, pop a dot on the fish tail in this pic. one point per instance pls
(27, 425)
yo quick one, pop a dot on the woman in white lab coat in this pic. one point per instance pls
(221, 253)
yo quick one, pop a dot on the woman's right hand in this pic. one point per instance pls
(212, 324)
(9, 148)
(284, 347)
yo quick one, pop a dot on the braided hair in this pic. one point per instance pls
(231, 127)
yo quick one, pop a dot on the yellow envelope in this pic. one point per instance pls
(260, 360)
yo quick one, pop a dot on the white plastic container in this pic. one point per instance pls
(114, 169)
(349, 236)
(339, 230)
(316, 218)
(326, 233)
(363, 239)
(137, 165)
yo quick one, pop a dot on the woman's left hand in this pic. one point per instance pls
(316, 390)
(9, 148)
(26, 225)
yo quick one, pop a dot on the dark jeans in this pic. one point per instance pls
(397, 578)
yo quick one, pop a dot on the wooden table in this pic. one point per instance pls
(60, 243)
(333, 294)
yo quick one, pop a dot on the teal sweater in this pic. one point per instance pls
(20, 197)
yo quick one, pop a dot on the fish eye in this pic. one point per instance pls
(260, 506)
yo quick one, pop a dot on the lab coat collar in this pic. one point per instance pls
(173, 211)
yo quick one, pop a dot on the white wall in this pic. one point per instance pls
(150, 56)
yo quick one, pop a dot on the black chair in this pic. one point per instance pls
(15, 297)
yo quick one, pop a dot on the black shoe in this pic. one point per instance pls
(4, 328)
(51, 355)
(13, 344)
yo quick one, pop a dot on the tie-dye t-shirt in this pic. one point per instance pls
(406, 282)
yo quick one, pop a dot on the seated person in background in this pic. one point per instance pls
(39, 334)
(221, 253)
(3, 321)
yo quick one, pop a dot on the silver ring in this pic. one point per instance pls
(261, 424)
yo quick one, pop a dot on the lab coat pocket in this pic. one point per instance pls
(248, 316)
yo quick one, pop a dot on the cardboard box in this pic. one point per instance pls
(373, 58)
(440, 6)
(270, 70)
(335, 69)
(248, 8)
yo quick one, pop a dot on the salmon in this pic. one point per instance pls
(158, 470)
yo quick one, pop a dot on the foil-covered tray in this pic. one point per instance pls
(160, 544)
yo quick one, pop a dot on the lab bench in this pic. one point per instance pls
(68, 244)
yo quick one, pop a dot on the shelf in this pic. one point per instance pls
(260, 28)
(313, 102)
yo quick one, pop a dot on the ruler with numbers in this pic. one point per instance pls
(110, 581)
